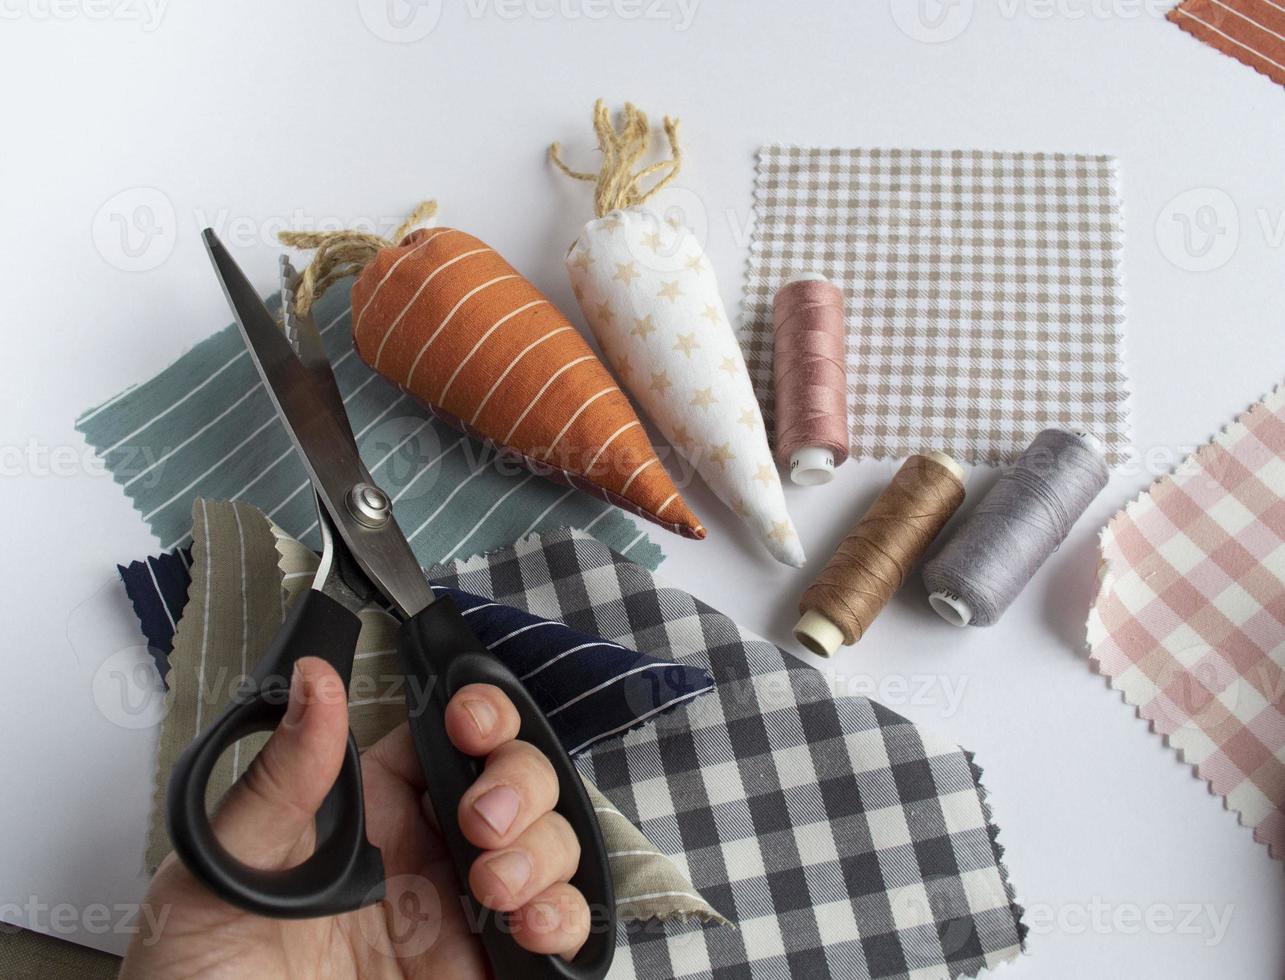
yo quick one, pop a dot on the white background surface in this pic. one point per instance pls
(250, 116)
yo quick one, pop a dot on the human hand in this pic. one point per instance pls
(420, 929)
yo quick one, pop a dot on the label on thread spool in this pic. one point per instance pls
(951, 608)
(812, 466)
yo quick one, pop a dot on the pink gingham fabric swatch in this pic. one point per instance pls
(1189, 621)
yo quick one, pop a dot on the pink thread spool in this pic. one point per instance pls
(810, 368)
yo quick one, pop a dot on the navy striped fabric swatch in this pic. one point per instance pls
(157, 586)
(590, 689)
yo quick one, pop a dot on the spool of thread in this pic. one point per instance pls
(878, 553)
(1015, 527)
(811, 378)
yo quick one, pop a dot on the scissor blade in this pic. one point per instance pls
(324, 442)
(305, 338)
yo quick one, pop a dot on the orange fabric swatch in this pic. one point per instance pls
(1251, 31)
(447, 318)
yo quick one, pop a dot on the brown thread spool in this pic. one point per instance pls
(877, 555)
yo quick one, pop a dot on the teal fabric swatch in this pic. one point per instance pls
(206, 427)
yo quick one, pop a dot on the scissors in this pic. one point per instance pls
(364, 558)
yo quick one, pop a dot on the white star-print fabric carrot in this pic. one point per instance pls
(651, 298)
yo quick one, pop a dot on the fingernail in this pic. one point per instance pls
(498, 807)
(297, 702)
(513, 868)
(543, 917)
(483, 715)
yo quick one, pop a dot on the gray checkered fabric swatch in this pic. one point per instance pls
(840, 839)
(984, 292)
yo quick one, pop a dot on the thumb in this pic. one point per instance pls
(268, 814)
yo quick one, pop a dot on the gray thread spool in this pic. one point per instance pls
(1029, 512)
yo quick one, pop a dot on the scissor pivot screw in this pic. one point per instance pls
(369, 505)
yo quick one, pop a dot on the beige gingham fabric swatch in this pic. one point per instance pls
(245, 574)
(1189, 621)
(983, 292)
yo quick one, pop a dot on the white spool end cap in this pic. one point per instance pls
(806, 277)
(818, 634)
(1088, 438)
(951, 608)
(812, 466)
(948, 462)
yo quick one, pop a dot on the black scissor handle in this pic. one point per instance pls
(441, 654)
(345, 871)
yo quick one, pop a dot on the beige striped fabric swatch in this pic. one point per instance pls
(232, 613)
(649, 885)
(245, 573)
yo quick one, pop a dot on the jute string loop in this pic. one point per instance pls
(618, 184)
(344, 253)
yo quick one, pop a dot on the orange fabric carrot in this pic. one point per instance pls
(443, 315)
